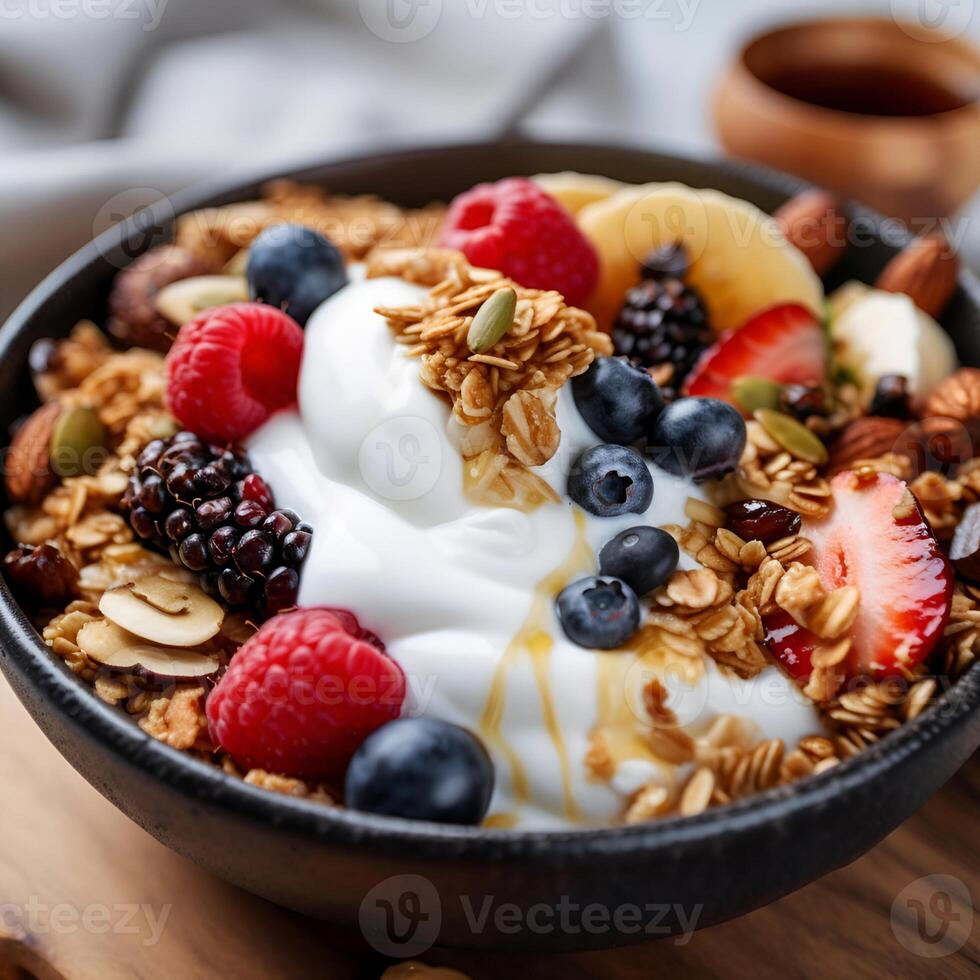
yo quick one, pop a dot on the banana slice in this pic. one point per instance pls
(740, 259)
(575, 191)
(881, 333)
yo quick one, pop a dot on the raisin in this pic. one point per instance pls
(892, 398)
(761, 520)
(804, 401)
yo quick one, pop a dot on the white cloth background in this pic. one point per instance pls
(105, 103)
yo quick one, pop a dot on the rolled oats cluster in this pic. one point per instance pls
(504, 394)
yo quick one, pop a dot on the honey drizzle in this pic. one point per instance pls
(621, 724)
(533, 639)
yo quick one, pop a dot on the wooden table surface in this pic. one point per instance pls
(86, 895)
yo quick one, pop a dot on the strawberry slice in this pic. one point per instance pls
(783, 343)
(790, 644)
(877, 539)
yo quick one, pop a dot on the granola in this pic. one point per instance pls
(504, 396)
(174, 582)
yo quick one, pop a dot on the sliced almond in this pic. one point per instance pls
(176, 614)
(181, 301)
(122, 563)
(166, 595)
(109, 644)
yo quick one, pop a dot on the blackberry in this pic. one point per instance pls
(206, 506)
(664, 321)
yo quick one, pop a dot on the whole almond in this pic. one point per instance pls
(815, 223)
(956, 397)
(865, 438)
(28, 475)
(925, 270)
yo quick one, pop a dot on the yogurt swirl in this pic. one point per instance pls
(462, 595)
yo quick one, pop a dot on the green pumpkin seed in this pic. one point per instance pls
(493, 319)
(753, 393)
(77, 442)
(793, 436)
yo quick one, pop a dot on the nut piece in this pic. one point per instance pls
(28, 475)
(865, 438)
(111, 645)
(815, 223)
(181, 301)
(956, 397)
(925, 270)
(40, 576)
(964, 552)
(77, 442)
(165, 611)
(133, 317)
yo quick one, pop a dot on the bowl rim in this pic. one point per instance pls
(203, 783)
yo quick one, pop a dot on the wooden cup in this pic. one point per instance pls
(864, 106)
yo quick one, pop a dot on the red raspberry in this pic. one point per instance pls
(349, 621)
(302, 694)
(516, 227)
(232, 367)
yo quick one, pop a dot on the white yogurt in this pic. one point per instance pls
(458, 592)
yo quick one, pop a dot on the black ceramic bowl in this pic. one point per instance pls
(583, 889)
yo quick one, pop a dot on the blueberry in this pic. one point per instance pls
(421, 769)
(598, 613)
(700, 438)
(618, 401)
(643, 557)
(294, 268)
(611, 480)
